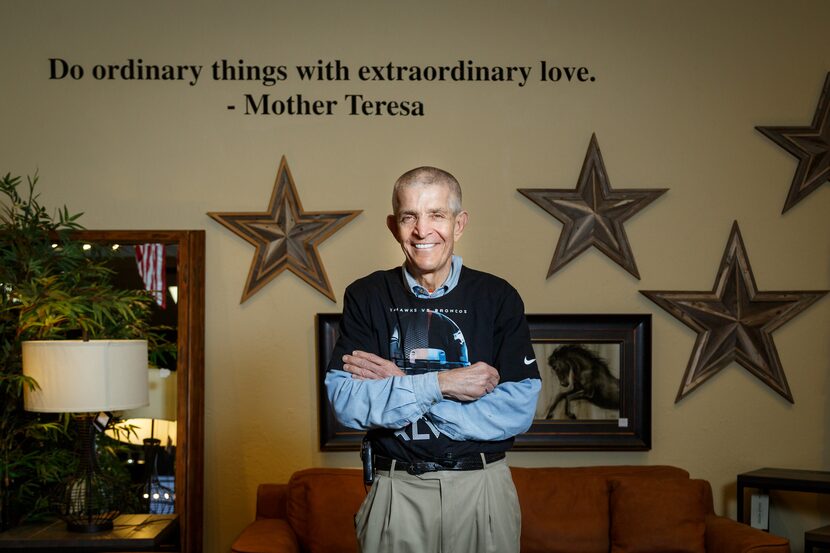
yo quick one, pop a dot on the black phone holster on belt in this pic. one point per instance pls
(366, 458)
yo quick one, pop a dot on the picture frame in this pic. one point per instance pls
(622, 341)
(333, 435)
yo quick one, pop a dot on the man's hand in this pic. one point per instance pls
(368, 366)
(468, 383)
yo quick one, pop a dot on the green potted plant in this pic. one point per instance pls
(51, 288)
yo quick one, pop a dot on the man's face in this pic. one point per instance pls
(427, 229)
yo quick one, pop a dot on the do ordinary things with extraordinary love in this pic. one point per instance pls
(223, 70)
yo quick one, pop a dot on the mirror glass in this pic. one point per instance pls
(166, 451)
(149, 433)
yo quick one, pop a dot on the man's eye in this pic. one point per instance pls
(407, 219)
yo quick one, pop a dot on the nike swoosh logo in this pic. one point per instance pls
(529, 361)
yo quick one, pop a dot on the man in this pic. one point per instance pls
(434, 359)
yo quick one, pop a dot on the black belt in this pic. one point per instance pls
(472, 462)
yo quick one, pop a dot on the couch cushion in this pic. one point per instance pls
(321, 508)
(561, 513)
(652, 515)
(566, 508)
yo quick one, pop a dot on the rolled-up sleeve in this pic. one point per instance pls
(505, 412)
(388, 403)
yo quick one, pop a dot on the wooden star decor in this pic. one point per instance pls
(734, 322)
(811, 145)
(285, 236)
(593, 214)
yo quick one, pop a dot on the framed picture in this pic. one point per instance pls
(333, 435)
(596, 384)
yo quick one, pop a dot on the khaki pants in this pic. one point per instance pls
(474, 511)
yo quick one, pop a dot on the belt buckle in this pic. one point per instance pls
(422, 467)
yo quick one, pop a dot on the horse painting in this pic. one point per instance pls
(583, 376)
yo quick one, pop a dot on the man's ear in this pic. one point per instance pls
(460, 223)
(392, 225)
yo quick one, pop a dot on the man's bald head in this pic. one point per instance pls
(427, 176)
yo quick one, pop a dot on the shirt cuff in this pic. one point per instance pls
(426, 389)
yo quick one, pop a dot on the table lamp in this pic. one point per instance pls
(86, 378)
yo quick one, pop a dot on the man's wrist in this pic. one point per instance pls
(426, 388)
(442, 384)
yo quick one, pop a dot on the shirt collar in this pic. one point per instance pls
(449, 284)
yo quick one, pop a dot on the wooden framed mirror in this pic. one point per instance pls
(185, 269)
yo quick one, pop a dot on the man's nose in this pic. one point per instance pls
(422, 227)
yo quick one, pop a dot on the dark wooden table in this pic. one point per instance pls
(130, 533)
(813, 481)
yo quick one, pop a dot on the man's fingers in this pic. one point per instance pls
(360, 373)
(356, 361)
(371, 357)
(363, 359)
(370, 366)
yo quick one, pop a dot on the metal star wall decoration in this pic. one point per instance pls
(811, 145)
(285, 236)
(734, 322)
(593, 214)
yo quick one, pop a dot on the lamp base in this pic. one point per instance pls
(89, 501)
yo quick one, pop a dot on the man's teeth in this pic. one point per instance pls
(424, 246)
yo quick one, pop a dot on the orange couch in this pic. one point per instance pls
(586, 509)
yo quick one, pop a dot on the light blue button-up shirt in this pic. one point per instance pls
(449, 284)
(398, 401)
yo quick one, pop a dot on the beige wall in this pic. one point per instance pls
(680, 86)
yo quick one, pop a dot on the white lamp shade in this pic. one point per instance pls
(75, 376)
(162, 386)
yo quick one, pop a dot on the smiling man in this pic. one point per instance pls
(434, 359)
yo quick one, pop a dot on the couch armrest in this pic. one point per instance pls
(724, 535)
(267, 535)
(271, 500)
